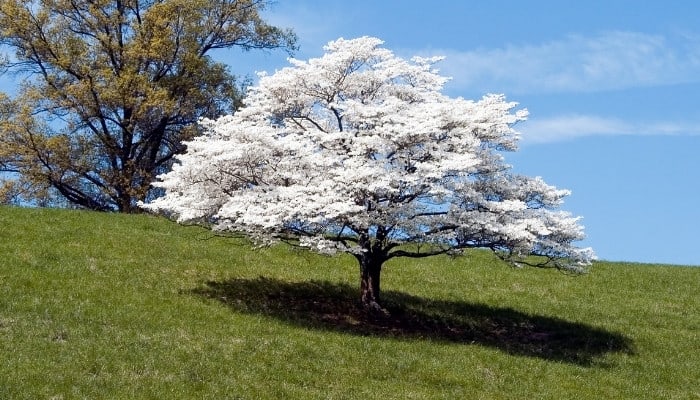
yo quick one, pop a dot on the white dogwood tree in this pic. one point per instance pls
(359, 151)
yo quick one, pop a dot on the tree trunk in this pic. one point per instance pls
(370, 273)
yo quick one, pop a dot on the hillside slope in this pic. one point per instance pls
(119, 306)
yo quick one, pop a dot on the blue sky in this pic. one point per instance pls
(612, 86)
(613, 90)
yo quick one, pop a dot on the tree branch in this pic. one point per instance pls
(418, 254)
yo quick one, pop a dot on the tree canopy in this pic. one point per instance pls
(359, 151)
(112, 89)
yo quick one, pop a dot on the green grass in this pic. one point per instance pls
(104, 306)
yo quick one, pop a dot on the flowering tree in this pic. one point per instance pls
(359, 151)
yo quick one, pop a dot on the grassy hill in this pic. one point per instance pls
(128, 307)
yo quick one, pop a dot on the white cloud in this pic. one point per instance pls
(576, 63)
(567, 127)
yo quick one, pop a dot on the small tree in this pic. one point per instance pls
(359, 151)
(113, 87)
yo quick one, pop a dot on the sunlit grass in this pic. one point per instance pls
(127, 307)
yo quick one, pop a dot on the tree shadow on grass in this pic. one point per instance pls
(335, 307)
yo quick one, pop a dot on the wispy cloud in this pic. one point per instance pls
(576, 63)
(567, 127)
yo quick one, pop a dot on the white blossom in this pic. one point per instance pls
(360, 151)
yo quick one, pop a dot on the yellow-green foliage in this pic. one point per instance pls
(113, 88)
